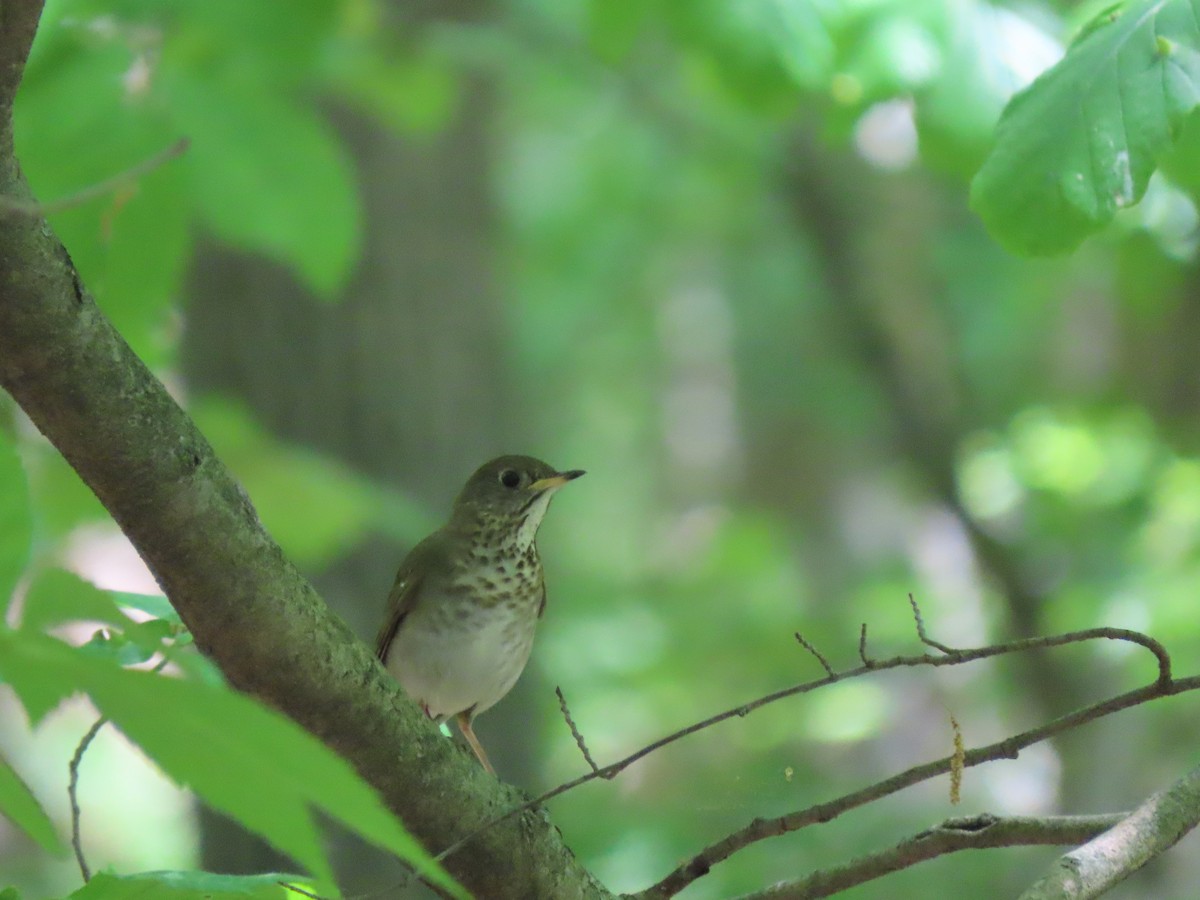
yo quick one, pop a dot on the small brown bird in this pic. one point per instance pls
(466, 601)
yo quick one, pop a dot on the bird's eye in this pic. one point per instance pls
(510, 478)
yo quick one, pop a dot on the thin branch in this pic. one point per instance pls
(82, 386)
(296, 889)
(921, 633)
(954, 657)
(862, 646)
(1151, 829)
(816, 655)
(73, 794)
(73, 778)
(99, 189)
(973, 833)
(579, 741)
(1009, 748)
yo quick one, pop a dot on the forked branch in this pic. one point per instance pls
(971, 833)
(1163, 685)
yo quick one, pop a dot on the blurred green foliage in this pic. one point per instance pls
(744, 290)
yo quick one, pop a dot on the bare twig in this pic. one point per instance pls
(1162, 687)
(73, 781)
(973, 833)
(862, 647)
(296, 889)
(816, 654)
(579, 741)
(73, 794)
(99, 189)
(1154, 827)
(921, 633)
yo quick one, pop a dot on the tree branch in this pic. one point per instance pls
(1009, 748)
(973, 833)
(73, 795)
(247, 606)
(18, 25)
(99, 189)
(1151, 829)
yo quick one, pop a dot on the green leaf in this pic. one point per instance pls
(61, 501)
(195, 665)
(114, 645)
(988, 55)
(152, 635)
(145, 245)
(268, 174)
(614, 26)
(16, 521)
(1082, 141)
(155, 604)
(40, 688)
(241, 758)
(19, 805)
(130, 243)
(1182, 164)
(804, 41)
(58, 596)
(186, 886)
(411, 95)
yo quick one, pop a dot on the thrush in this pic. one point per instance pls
(466, 601)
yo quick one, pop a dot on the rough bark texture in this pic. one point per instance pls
(1105, 861)
(249, 609)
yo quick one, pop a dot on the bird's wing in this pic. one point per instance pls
(403, 596)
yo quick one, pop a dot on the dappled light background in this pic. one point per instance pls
(720, 256)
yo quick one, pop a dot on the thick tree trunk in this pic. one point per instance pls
(248, 608)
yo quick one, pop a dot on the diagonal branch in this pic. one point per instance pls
(973, 833)
(9, 205)
(1151, 829)
(947, 656)
(1009, 748)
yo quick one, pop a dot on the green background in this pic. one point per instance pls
(770, 272)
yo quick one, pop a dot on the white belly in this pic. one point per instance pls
(451, 670)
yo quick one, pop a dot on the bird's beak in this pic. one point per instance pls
(554, 482)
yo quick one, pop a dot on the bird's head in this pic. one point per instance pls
(510, 494)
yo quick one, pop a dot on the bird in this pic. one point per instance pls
(462, 612)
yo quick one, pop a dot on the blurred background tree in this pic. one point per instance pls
(719, 254)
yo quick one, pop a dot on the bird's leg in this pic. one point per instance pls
(464, 725)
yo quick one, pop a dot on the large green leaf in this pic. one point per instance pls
(155, 605)
(129, 244)
(241, 758)
(269, 175)
(19, 805)
(186, 886)
(804, 41)
(16, 521)
(988, 54)
(58, 596)
(1082, 141)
